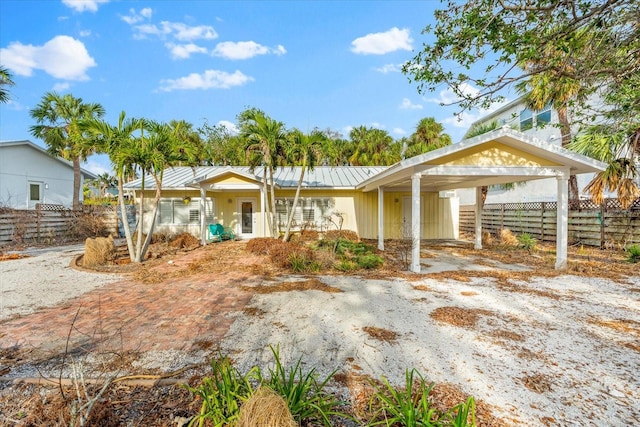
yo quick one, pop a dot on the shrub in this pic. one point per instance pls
(527, 241)
(410, 406)
(88, 225)
(222, 393)
(306, 397)
(369, 261)
(341, 234)
(345, 265)
(633, 253)
(261, 245)
(507, 238)
(300, 262)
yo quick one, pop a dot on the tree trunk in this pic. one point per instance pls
(267, 208)
(76, 183)
(125, 220)
(565, 132)
(273, 202)
(295, 204)
(156, 204)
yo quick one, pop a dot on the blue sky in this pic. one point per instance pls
(325, 64)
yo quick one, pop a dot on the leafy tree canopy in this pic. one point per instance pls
(483, 45)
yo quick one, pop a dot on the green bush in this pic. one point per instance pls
(306, 397)
(633, 252)
(222, 393)
(411, 406)
(527, 241)
(300, 262)
(369, 261)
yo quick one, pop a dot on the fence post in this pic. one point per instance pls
(603, 212)
(501, 216)
(38, 213)
(542, 223)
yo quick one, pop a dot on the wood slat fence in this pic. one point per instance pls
(50, 223)
(604, 225)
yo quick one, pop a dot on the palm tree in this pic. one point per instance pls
(264, 139)
(373, 147)
(58, 119)
(618, 150)
(428, 136)
(304, 150)
(117, 141)
(557, 87)
(6, 79)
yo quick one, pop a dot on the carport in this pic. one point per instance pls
(497, 157)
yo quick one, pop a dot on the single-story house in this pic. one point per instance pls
(29, 175)
(414, 198)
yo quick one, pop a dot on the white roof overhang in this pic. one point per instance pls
(469, 163)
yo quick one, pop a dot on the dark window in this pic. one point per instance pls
(34, 192)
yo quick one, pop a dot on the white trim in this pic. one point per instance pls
(562, 225)
(478, 217)
(254, 219)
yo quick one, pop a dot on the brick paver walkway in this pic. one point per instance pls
(180, 313)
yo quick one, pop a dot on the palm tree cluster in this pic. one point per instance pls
(139, 147)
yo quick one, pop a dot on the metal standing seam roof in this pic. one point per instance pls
(321, 177)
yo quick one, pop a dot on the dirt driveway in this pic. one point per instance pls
(536, 347)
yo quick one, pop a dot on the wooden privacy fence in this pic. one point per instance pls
(590, 224)
(48, 223)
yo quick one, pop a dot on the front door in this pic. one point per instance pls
(248, 219)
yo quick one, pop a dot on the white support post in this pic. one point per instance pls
(478, 215)
(415, 223)
(562, 227)
(380, 219)
(263, 211)
(203, 217)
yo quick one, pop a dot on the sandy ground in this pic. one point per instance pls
(554, 351)
(44, 278)
(550, 351)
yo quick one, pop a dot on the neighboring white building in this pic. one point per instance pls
(29, 175)
(542, 125)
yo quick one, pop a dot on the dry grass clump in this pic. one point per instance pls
(507, 238)
(487, 238)
(261, 245)
(184, 240)
(457, 316)
(305, 235)
(265, 408)
(98, 251)
(281, 253)
(342, 234)
(89, 225)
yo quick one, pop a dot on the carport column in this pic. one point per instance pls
(263, 211)
(203, 217)
(380, 219)
(562, 227)
(478, 240)
(415, 223)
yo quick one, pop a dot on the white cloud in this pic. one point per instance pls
(177, 30)
(381, 43)
(347, 130)
(448, 96)
(84, 5)
(183, 51)
(390, 68)
(245, 50)
(61, 87)
(135, 17)
(408, 105)
(85, 33)
(399, 131)
(231, 127)
(377, 125)
(210, 79)
(62, 57)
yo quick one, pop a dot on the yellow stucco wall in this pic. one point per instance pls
(493, 154)
(359, 211)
